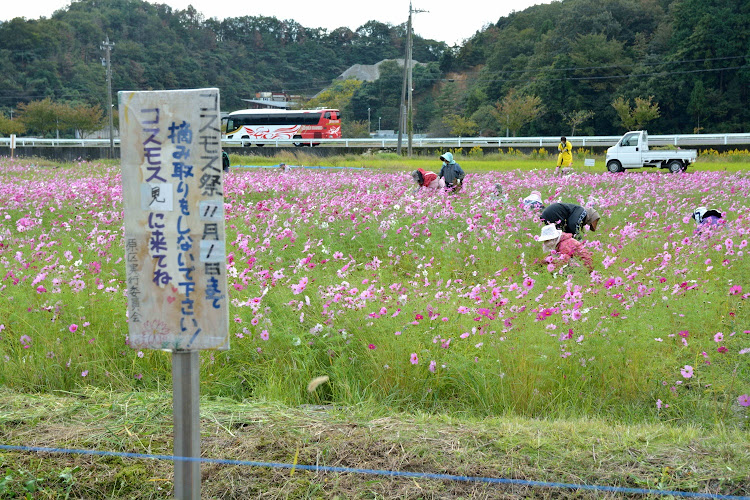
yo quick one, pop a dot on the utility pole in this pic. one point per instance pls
(107, 47)
(405, 115)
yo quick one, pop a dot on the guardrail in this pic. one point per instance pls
(691, 140)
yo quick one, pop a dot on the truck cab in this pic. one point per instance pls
(630, 147)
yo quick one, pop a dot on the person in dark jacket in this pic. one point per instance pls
(570, 218)
(451, 173)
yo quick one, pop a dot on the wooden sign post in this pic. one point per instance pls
(174, 246)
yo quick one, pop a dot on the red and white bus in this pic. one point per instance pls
(254, 126)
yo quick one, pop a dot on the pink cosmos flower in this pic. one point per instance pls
(84, 373)
(73, 327)
(744, 400)
(300, 287)
(264, 335)
(371, 346)
(432, 366)
(722, 349)
(528, 283)
(414, 358)
(687, 372)
(718, 337)
(735, 290)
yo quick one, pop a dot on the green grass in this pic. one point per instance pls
(513, 408)
(571, 451)
(475, 161)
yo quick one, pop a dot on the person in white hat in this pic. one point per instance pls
(706, 219)
(533, 201)
(564, 244)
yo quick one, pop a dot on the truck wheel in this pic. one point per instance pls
(675, 166)
(614, 166)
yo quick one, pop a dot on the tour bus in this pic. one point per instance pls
(254, 126)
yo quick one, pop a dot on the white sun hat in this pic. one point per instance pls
(699, 213)
(549, 232)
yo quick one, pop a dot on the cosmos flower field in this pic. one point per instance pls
(412, 301)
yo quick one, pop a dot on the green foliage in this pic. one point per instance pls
(516, 110)
(573, 56)
(576, 118)
(46, 116)
(636, 117)
(355, 129)
(41, 117)
(8, 126)
(337, 96)
(459, 126)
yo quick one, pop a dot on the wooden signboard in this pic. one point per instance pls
(172, 181)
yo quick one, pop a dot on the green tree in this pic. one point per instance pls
(636, 118)
(460, 126)
(8, 126)
(697, 103)
(576, 118)
(355, 129)
(83, 119)
(337, 96)
(516, 110)
(486, 119)
(41, 117)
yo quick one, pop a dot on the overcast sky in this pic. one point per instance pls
(450, 21)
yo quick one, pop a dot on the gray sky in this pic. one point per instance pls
(450, 21)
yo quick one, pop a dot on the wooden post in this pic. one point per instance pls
(187, 433)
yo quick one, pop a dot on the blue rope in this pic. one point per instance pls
(317, 468)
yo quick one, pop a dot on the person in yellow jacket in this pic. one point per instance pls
(565, 158)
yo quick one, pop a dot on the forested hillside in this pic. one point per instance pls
(157, 47)
(681, 66)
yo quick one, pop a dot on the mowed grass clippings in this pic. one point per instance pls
(587, 452)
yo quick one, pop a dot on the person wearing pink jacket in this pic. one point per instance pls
(564, 244)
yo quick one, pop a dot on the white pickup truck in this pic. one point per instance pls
(631, 151)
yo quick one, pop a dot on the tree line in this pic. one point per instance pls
(574, 67)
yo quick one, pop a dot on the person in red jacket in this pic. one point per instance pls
(564, 244)
(425, 178)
